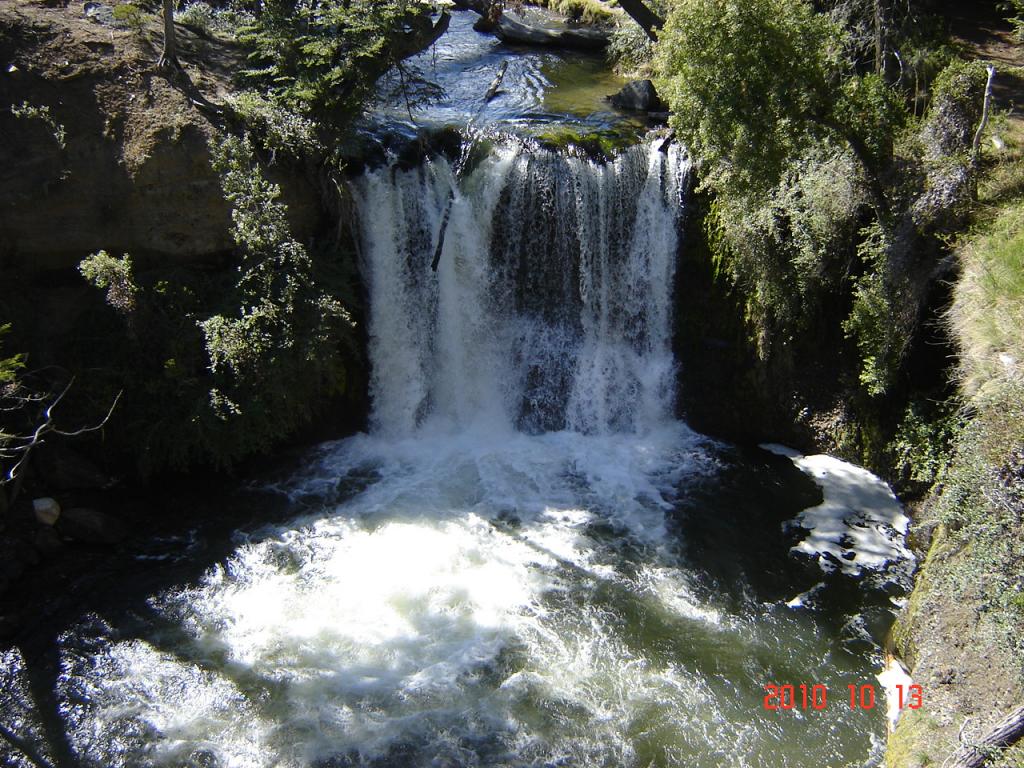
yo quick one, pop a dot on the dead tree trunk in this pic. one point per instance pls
(1005, 733)
(985, 109)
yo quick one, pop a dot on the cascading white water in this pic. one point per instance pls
(551, 306)
(491, 577)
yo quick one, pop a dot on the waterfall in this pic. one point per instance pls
(551, 306)
(500, 574)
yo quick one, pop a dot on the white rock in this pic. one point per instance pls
(47, 510)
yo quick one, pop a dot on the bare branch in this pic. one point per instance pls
(99, 426)
(25, 444)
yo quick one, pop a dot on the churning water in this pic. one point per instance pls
(527, 562)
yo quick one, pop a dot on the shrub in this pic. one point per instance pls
(130, 15)
(9, 366)
(629, 49)
(215, 367)
(101, 270)
(28, 111)
(198, 14)
(280, 128)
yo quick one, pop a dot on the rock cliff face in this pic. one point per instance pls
(100, 150)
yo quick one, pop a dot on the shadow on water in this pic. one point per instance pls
(113, 588)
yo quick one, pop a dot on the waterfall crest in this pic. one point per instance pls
(551, 306)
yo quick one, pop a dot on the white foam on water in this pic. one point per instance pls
(448, 600)
(860, 525)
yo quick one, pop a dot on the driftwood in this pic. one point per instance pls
(1005, 733)
(508, 30)
(511, 31)
(496, 82)
(443, 231)
(638, 10)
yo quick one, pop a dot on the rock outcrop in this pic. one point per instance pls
(102, 151)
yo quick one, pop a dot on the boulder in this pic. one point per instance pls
(47, 541)
(46, 510)
(638, 96)
(100, 13)
(91, 526)
(65, 469)
(12, 560)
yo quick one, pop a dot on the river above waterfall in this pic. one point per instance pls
(542, 88)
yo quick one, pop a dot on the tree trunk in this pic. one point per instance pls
(879, 40)
(420, 35)
(169, 57)
(1005, 733)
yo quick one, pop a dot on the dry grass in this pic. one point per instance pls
(987, 315)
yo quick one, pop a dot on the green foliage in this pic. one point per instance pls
(28, 111)
(955, 109)
(873, 321)
(1016, 7)
(630, 50)
(982, 504)
(923, 445)
(802, 149)
(749, 84)
(198, 15)
(323, 57)
(217, 367)
(130, 15)
(9, 366)
(210, 19)
(279, 128)
(279, 350)
(792, 251)
(988, 309)
(872, 114)
(581, 11)
(101, 270)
